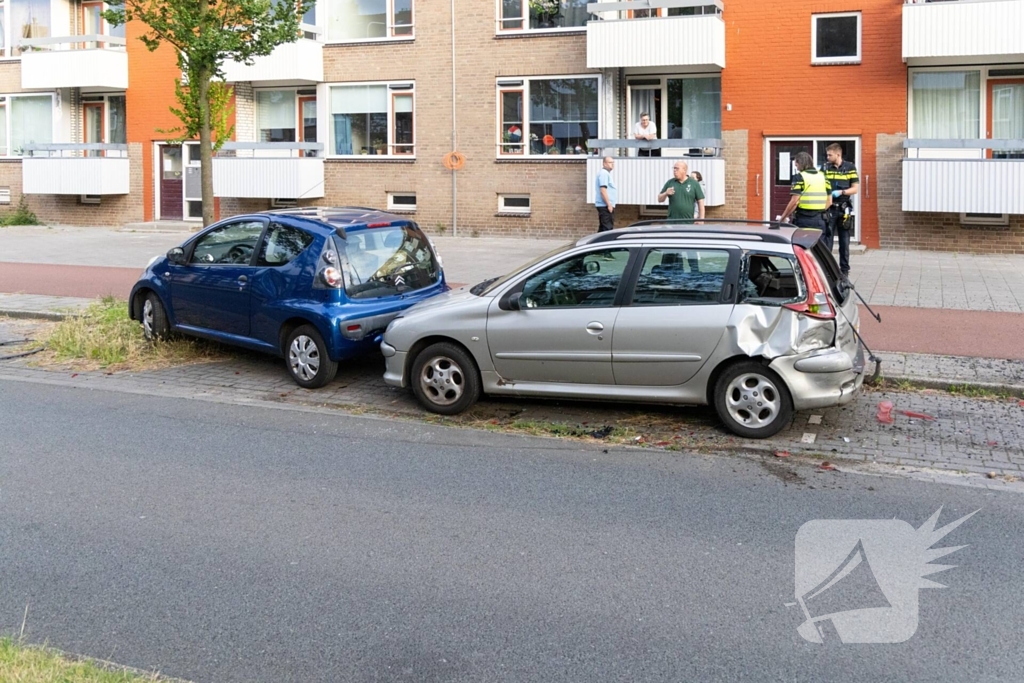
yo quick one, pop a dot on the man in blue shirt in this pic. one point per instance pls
(605, 195)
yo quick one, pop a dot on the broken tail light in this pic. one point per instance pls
(817, 303)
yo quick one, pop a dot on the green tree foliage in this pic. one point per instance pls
(206, 34)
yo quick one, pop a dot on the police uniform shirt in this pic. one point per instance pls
(798, 187)
(841, 178)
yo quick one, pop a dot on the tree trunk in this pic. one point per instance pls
(205, 146)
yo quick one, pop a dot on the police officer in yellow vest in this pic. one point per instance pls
(810, 196)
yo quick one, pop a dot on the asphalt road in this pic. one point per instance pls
(232, 543)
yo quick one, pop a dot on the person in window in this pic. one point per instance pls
(645, 129)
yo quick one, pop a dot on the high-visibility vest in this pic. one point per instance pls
(814, 195)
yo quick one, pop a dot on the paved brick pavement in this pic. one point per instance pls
(967, 437)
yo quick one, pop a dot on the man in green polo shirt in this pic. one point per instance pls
(685, 197)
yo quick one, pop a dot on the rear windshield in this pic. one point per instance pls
(387, 261)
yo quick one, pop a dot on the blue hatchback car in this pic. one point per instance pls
(315, 285)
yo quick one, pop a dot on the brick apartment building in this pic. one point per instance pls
(927, 98)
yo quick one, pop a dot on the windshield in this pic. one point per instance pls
(386, 261)
(488, 285)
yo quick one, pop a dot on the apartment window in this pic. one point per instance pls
(373, 119)
(276, 115)
(517, 15)
(25, 120)
(349, 21)
(103, 120)
(547, 116)
(984, 219)
(22, 19)
(514, 203)
(694, 108)
(93, 23)
(945, 105)
(835, 38)
(401, 201)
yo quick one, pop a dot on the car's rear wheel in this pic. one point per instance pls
(306, 355)
(445, 379)
(752, 400)
(154, 318)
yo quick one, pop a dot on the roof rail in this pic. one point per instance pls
(772, 225)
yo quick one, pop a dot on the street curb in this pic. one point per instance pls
(35, 315)
(945, 384)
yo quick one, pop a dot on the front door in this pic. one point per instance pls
(211, 292)
(171, 183)
(679, 311)
(1006, 115)
(781, 169)
(93, 114)
(563, 330)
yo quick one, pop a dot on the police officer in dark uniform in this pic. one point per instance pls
(810, 196)
(842, 176)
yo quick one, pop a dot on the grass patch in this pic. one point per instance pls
(20, 216)
(104, 337)
(28, 664)
(971, 391)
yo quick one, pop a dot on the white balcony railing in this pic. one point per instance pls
(269, 170)
(640, 179)
(641, 33)
(76, 169)
(299, 62)
(963, 176)
(90, 61)
(965, 31)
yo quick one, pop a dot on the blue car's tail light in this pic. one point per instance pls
(328, 273)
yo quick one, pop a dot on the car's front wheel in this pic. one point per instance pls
(445, 379)
(154, 318)
(306, 355)
(752, 400)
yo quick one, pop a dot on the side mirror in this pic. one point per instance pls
(510, 302)
(176, 255)
(593, 267)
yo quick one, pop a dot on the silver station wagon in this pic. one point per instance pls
(751, 318)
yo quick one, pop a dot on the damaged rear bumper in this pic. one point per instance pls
(820, 379)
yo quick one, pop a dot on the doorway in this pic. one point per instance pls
(94, 117)
(1006, 115)
(780, 169)
(171, 183)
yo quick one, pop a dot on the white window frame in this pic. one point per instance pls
(89, 98)
(408, 88)
(500, 21)
(662, 87)
(5, 10)
(503, 208)
(6, 100)
(982, 95)
(836, 60)
(325, 8)
(296, 114)
(508, 84)
(401, 208)
(1002, 219)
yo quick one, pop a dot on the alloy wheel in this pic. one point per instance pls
(753, 400)
(442, 380)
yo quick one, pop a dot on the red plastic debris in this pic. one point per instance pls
(918, 416)
(826, 466)
(885, 412)
(992, 443)
(75, 374)
(662, 443)
(1020, 403)
(781, 454)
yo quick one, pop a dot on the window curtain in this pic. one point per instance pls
(946, 105)
(275, 110)
(1008, 111)
(356, 112)
(357, 19)
(30, 19)
(31, 121)
(116, 109)
(702, 108)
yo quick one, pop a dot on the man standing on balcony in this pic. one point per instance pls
(810, 196)
(606, 196)
(646, 130)
(842, 176)
(684, 194)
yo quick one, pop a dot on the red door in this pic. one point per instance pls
(781, 174)
(171, 183)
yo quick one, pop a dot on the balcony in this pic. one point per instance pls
(75, 169)
(640, 179)
(641, 34)
(963, 176)
(291, 63)
(269, 170)
(965, 31)
(96, 62)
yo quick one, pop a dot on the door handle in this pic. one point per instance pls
(242, 279)
(595, 327)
